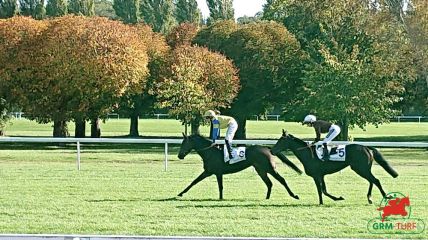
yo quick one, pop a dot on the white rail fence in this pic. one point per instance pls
(168, 141)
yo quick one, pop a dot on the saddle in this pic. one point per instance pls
(238, 154)
(337, 154)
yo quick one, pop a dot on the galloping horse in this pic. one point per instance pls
(359, 157)
(257, 156)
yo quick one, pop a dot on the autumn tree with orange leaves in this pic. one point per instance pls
(78, 68)
(195, 80)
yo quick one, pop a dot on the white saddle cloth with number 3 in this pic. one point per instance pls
(339, 155)
(238, 155)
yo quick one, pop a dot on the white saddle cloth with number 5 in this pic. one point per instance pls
(238, 155)
(338, 154)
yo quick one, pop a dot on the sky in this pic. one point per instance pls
(242, 7)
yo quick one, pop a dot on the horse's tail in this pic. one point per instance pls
(381, 160)
(289, 163)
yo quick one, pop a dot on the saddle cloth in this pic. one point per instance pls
(238, 155)
(336, 154)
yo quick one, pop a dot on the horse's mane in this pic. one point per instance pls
(300, 141)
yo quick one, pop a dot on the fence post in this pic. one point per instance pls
(166, 157)
(78, 155)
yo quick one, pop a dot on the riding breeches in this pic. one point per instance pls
(332, 133)
(231, 130)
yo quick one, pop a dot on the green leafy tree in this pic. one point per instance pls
(269, 60)
(56, 8)
(194, 80)
(187, 11)
(220, 10)
(8, 8)
(104, 8)
(358, 60)
(127, 10)
(82, 7)
(4, 116)
(33, 8)
(159, 14)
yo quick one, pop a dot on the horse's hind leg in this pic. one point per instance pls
(263, 175)
(280, 179)
(198, 179)
(366, 173)
(324, 190)
(369, 193)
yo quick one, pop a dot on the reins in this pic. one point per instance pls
(307, 146)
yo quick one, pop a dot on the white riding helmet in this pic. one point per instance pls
(309, 119)
(209, 113)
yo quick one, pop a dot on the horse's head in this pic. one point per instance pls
(405, 201)
(186, 147)
(282, 144)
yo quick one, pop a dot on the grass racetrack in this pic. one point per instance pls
(122, 189)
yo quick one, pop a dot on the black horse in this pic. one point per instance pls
(359, 157)
(257, 156)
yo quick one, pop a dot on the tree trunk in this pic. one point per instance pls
(241, 133)
(95, 128)
(2, 132)
(133, 129)
(80, 131)
(344, 130)
(60, 129)
(195, 127)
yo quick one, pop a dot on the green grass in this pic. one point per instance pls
(255, 129)
(126, 191)
(122, 189)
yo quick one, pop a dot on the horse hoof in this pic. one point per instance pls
(296, 197)
(180, 195)
(340, 198)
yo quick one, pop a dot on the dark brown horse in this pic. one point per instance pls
(257, 156)
(359, 157)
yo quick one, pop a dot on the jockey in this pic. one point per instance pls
(321, 126)
(220, 122)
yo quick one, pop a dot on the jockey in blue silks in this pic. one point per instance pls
(220, 122)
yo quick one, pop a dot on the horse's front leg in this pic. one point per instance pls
(220, 184)
(198, 179)
(319, 188)
(324, 190)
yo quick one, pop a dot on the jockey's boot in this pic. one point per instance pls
(325, 155)
(229, 148)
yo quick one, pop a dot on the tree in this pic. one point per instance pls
(269, 60)
(78, 68)
(159, 14)
(81, 7)
(187, 11)
(415, 21)
(104, 8)
(355, 74)
(4, 116)
(220, 10)
(8, 8)
(182, 34)
(127, 10)
(134, 104)
(33, 8)
(194, 80)
(56, 8)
